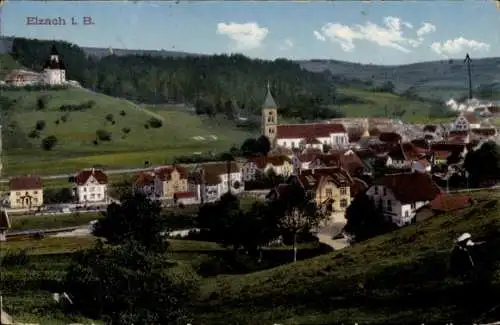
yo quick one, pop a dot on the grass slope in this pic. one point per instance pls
(372, 103)
(75, 149)
(397, 278)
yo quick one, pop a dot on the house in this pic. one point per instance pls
(399, 196)
(26, 192)
(21, 78)
(449, 202)
(145, 184)
(54, 69)
(484, 133)
(456, 136)
(291, 136)
(4, 225)
(404, 155)
(347, 159)
(465, 122)
(257, 167)
(91, 185)
(280, 151)
(329, 186)
(170, 180)
(210, 181)
(441, 151)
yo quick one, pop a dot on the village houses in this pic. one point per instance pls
(26, 192)
(256, 168)
(400, 196)
(465, 122)
(170, 180)
(210, 181)
(91, 186)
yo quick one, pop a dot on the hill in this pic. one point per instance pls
(133, 138)
(7, 63)
(437, 79)
(398, 278)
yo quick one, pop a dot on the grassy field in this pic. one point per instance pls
(181, 133)
(374, 104)
(26, 222)
(391, 279)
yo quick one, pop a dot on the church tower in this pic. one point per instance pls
(269, 122)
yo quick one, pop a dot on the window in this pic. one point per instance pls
(35, 200)
(389, 205)
(293, 144)
(413, 205)
(376, 190)
(92, 196)
(18, 201)
(35, 192)
(329, 192)
(92, 189)
(407, 214)
(99, 195)
(343, 203)
(18, 193)
(385, 191)
(85, 189)
(343, 191)
(85, 197)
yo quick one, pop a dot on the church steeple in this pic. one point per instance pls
(269, 122)
(269, 101)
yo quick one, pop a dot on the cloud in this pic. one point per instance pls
(287, 45)
(459, 45)
(426, 28)
(318, 36)
(246, 36)
(390, 34)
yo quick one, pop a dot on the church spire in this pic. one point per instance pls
(269, 101)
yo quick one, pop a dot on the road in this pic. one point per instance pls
(108, 172)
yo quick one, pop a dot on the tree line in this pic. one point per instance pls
(215, 83)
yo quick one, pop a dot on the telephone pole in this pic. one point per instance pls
(467, 61)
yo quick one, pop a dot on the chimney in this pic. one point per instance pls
(92, 170)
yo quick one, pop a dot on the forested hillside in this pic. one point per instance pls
(215, 80)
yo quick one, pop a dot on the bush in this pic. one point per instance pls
(146, 126)
(64, 118)
(12, 259)
(77, 108)
(95, 142)
(122, 113)
(109, 118)
(126, 130)
(155, 123)
(56, 122)
(41, 103)
(34, 134)
(113, 122)
(40, 125)
(103, 135)
(48, 143)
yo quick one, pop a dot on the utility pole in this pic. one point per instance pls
(467, 61)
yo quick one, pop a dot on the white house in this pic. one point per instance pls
(211, 180)
(21, 78)
(91, 185)
(466, 121)
(313, 135)
(399, 196)
(256, 167)
(54, 69)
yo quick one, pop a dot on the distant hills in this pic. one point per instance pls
(435, 79)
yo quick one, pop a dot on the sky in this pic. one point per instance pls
(370, 32)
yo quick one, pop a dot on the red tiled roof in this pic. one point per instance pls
(339, 176)
(471, 117)
(144, 179)
(263, 161)
(404, 152)
(25, 183)
(165, 173)
(350, 162)
(83, 176)
(183, 195)
(410, 187)
(494, 109)
(389, 137)
(381, 148)
(304, 131)
(447, 203)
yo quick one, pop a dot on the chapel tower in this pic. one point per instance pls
(269, 123)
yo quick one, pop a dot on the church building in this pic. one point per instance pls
(54, 70)
(299, 136)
